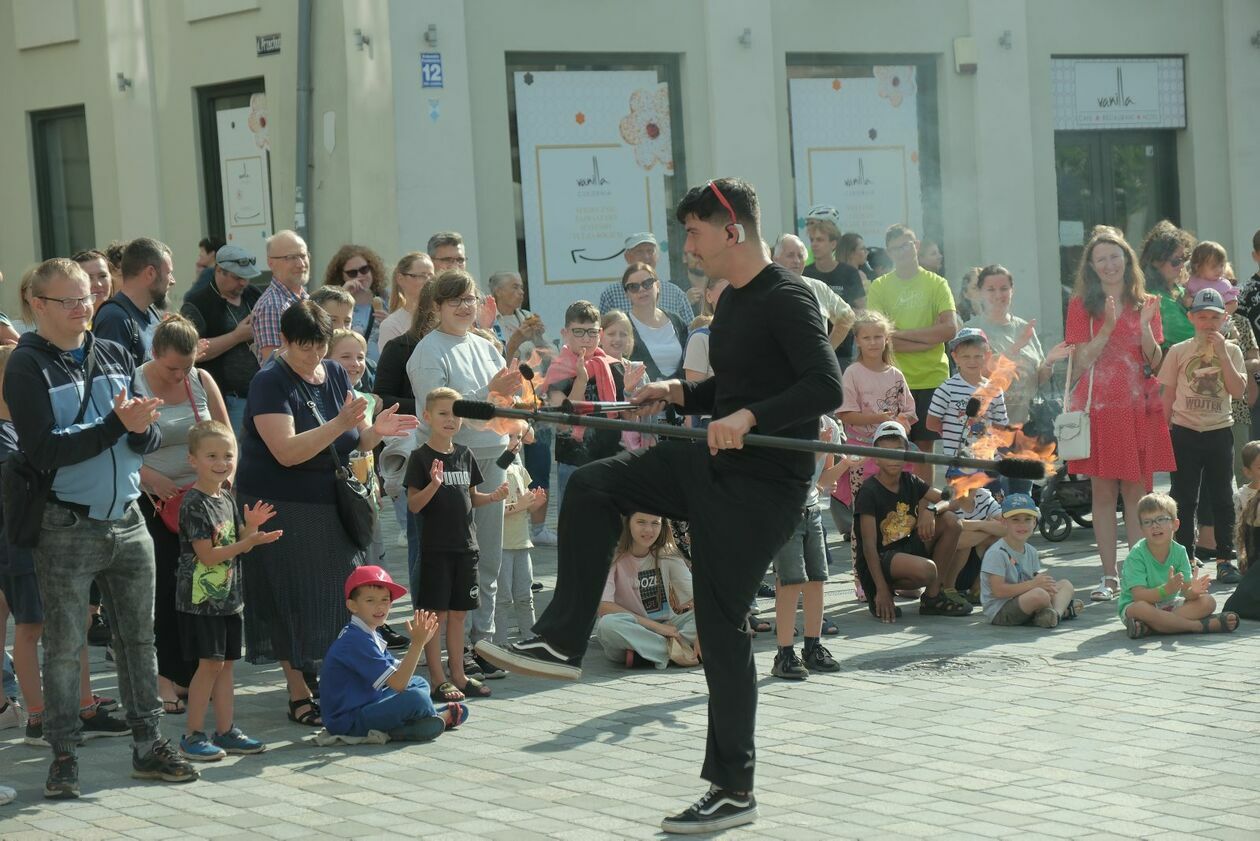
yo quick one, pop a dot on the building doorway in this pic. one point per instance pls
(1127, 179)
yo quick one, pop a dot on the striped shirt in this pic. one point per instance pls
(949, 403)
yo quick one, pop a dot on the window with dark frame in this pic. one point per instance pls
(63, 181)
(210, 100)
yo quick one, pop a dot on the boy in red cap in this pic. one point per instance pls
(364, 686)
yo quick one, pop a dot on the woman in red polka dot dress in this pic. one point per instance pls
(1115, 328)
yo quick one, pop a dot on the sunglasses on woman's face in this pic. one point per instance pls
(1177, 262)
(634, 288)
(361, 270)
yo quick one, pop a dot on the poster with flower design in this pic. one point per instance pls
(595, 148)
(855, 147)
(245, 170)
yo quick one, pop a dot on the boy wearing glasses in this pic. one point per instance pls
(582, 371)
(1158, 592)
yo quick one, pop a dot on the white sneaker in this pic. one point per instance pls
(543, 536)
(401, 542)
(11, 715)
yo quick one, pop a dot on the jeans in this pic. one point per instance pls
(236, 413)
(515, 598)
(73, 549)
(537, 457)
(489, 522)
(10, 679)
(1205, 467)
(738, 522)
(395, 709)
(563, 473)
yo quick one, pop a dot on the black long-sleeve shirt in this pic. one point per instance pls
(392, 383)
(770, 355)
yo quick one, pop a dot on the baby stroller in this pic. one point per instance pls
(1064, 499)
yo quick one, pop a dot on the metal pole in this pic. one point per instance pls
(302, 148)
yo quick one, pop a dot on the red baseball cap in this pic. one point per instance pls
(376, 576)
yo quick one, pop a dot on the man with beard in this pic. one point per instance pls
(131, 316)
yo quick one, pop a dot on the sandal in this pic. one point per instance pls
(454, 715)
(1136, 628)
(474, 688)
(1222, 623)
(1103, 593)
(310, 718)
(829, 628)
(758, 625)
(1073, 609)
(447, 692)
(175, 707)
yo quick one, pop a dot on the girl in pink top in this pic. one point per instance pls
(646, 615)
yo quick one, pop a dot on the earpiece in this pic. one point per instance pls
(735, 229)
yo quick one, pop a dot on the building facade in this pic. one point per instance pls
(546, 131)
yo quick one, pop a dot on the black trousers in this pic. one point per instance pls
(738, 523)
(172, 664)
(1205, 466)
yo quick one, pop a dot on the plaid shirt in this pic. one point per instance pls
(672, 299)
(266, 315)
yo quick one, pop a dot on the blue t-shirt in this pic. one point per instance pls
(354, 675)
(276, 390)
(120, 320)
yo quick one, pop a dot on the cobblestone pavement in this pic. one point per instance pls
(936, 727)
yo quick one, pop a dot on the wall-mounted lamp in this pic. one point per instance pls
(1004, 40)
(430, 35)
(122, 82)
(745, 37)
(362, 41)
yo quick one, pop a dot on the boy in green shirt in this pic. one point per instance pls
(1159, 594)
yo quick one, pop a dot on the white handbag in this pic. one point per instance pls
(1071, 429)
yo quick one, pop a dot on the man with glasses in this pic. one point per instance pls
(131, 316)
(69, 393)
(921, 308)
(290, 265)
(446, 250)
(221, 312)
(643, 248)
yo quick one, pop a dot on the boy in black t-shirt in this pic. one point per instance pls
(440, 481)
(898, 528)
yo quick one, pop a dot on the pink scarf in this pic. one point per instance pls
(598, 368)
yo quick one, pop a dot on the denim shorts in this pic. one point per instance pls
(804, 557)
(21, 591)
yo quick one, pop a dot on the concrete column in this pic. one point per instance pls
(1242, 126)
(1005, 189)
(743, 132)
(433, 131)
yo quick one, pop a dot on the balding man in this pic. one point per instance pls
(290, 265)
(789, 252)
(643, 248)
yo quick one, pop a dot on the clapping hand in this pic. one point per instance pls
(500, 493)
(488, 313)
(421, 627)
(1045, 582)
(1150, 307)
(352, 412)
(1199, 586)
(508, 380)
(539, 500)
(1175, 583)
(437, 473)
(136, 413)
(1059, 352)
(260, 513)
(390, 424)
(1109, 314)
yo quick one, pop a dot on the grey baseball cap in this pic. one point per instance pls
(238, 261)
(639, 239)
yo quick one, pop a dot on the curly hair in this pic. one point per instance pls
(333, 273)
(1158, 246)
(1088, 285)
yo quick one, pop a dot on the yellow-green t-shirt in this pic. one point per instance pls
(913, 305)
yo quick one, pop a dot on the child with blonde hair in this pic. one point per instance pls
(516, 571)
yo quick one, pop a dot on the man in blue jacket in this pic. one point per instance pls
(69, 395)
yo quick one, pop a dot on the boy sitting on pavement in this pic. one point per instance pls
(365, 687)
(893, 543)
(1158, 592)
(1013, 589)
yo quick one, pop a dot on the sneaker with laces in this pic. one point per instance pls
(96, 722)
(788, 666)
(35, 732)
(198, 747)
(543, 536)
(819, 659)
(393, 640)
(63, 778)
(489, 671)
(471, 667)
(537, 587)
(10, 716)
(162, 762)
(717, 810)
(109, 705)
(1227, 573)
(236, 743)
(534, 656)
(939, 605)
(765, 591)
